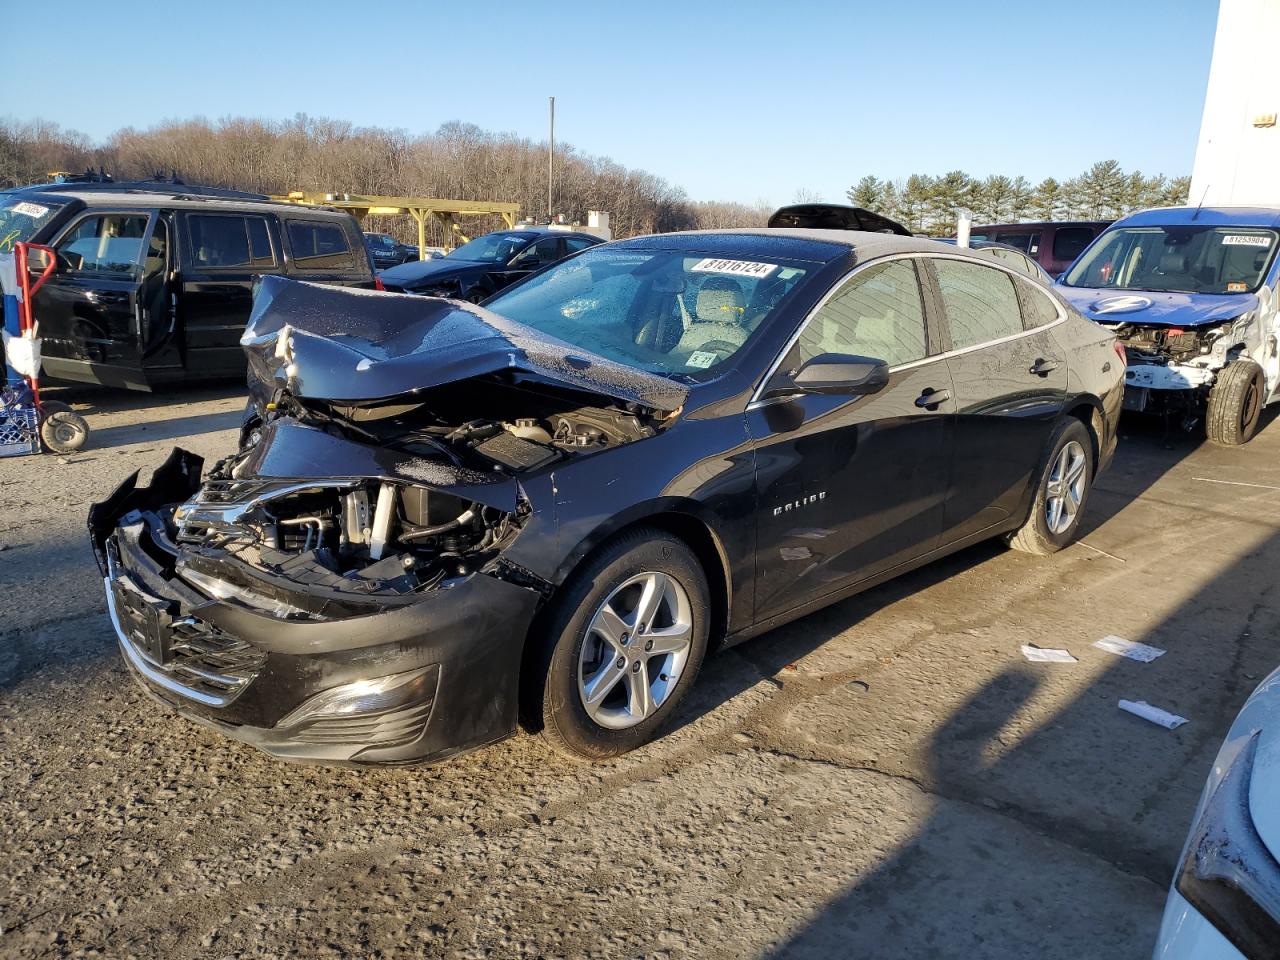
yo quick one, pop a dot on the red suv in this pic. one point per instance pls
(1054, 245)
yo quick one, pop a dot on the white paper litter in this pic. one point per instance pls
(1140, 708)
(1043, 655)
(1128, 648)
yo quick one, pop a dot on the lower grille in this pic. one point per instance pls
(204, 658)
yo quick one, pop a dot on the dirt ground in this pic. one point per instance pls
(885, 778)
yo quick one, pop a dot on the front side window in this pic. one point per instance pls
(318, 246)
(230, 241)
(546, 250)
(877, 313)
(1186, 258)
(105, 243)
(1028, 243)
(980, 302)
(672, 312)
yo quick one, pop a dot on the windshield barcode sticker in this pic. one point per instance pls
(33, 210)
(741, 268)
(1245, 240)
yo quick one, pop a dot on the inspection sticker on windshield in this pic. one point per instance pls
(741, 268)
(1245, 240)
(701, 359)
(33, 210)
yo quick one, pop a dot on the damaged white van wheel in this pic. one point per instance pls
(1235, 403)
(1061, 494)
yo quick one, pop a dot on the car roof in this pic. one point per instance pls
(1209, 216)
(795, 243)
(1041, 224)
(170, 201)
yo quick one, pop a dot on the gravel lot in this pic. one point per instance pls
(885, 778)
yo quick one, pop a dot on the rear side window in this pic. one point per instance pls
(230, 241)
(877, 313)
(1069, 241)
(318, 246)
(574, 244)
(106, 243)
(980, 302)
(1037, 308)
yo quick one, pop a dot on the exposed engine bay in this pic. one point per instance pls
(383, 534)
(1164, 344)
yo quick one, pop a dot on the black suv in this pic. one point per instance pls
(155, 286)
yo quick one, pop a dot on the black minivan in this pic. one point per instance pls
(156, 287)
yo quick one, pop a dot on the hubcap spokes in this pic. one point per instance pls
(635, 650)
(1065, 489)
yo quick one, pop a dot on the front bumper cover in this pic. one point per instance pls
(242, 671)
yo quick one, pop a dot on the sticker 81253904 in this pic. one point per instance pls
(1246, 240)
(740, 268)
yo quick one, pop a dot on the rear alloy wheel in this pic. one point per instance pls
(1235, 403)
(1061, 494)
(629, 636)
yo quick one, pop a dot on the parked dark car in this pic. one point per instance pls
(1011, 256)
(1053, 245)
(485, 265)
(154, 288)
(444, 517)
(386, 251)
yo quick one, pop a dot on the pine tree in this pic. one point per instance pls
(1046, 199)
(867, 193)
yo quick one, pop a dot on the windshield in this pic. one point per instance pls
(379, 240)
(669, 312)
(20, 219)
(1182, 259)
(492, 248)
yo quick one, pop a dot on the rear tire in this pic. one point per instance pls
(1062, 492)
(1235, 403)
(615, 668)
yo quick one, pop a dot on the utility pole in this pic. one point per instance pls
(551, 157)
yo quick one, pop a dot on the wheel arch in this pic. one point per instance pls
(1088, 410)
(679, 518)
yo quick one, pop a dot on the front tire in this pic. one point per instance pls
(1235, 403)
(624, 644)
(1061, 494)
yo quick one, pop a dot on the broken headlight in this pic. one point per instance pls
(1229, 875)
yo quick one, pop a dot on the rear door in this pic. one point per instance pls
(1010, 382)
(851, 486)
(224, 254)
(90, 312)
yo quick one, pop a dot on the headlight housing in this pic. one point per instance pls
(1228, 874)
(366, 697)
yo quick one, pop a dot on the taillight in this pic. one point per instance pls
(377, 284)
(1120, 352)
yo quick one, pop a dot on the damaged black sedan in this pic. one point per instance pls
(444, 520)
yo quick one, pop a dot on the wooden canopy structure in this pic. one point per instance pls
(420, 208)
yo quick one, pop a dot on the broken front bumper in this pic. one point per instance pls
(411, 681)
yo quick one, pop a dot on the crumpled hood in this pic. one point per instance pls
(346, 345)
(416, 272)
(1157, 309)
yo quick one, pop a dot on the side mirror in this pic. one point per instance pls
(836, 374)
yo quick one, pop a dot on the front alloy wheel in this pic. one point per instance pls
(621, 646)
(635, 651)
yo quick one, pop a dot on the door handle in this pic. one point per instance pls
(930, 399)
(1043, 367)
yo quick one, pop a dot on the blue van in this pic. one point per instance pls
(1191, 293)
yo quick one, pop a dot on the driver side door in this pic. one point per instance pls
(848, 487)
(533, 257)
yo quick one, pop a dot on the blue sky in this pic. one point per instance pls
(733, 101)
